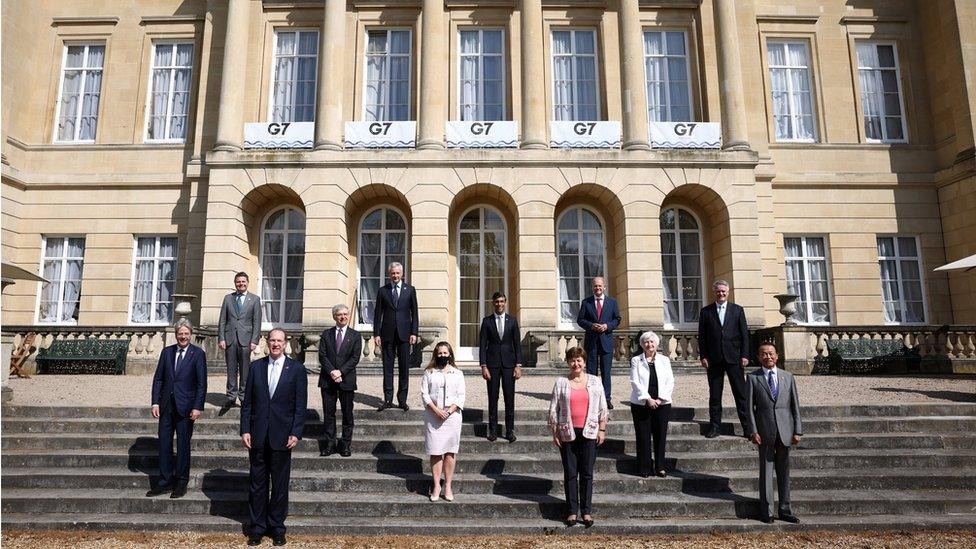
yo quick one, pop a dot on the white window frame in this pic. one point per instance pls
(481, 71)
(384, 274)
(265, 323)
(585, 289)
(898, 258)
(901, 91)
(806, 276)
(685, 325)
(596, 68)
(794, 113)
(386, 70)
(666, 107)
(85, 70)
(172, 83)
(156, 258)
(471, 353)
(61, 283)
(274, 70)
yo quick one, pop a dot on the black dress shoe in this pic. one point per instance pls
(344, 450)
(789, 518)
(662, 474)
(492, 435)
(178, 492)
(278, 541)
(609, 405)
(711, 433)
(254, 541)
(403, 406)
(327, 451)
(158, 491)
(510, 436)
(384, 406)
(767, 520)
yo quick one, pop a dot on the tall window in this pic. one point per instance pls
(296, 62)
(806, 276)
(681, 259)
(387, 75)
(666, 70)
(382, 240)
(283, 267)
(574, 75)
(481, 266)
(901, 279)
(62, 264)
(482, 75)
(582, 256)
(789, 76)
(81, 87)
(169, 97)
(881, 102)
(153, 280)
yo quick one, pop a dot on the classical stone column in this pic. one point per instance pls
(433, 77)
(634, 94)
(533, 82)
(734, 129)
(332, 50)
(230, 118)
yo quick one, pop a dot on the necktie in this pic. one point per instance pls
(240, 303)
(396, 294)
(721, 315)
(179, 358)
(773, 387)
(500, 323)
(599, 308)
(273, 378)
(338, 338)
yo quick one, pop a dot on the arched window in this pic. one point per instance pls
(581, 248)
(382, 240)
(681, 258)
(482, 272)
(283, 267)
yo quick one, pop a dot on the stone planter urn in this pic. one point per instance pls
(183, 305)
(787, 307)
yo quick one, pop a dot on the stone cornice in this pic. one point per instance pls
(107, 20)
(164, 19)
(774, 18)
(868, 19)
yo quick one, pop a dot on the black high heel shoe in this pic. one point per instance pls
(587, 522)
(570, 522)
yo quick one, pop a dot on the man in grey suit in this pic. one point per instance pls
(239, 330)
(773, 424)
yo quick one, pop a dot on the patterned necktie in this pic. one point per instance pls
(396, 293)
(599, 307)
(179, 358)
(273, 378)
(338, 338)
(773, 386)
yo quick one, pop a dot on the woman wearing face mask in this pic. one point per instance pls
(652, 383)
(442, 391)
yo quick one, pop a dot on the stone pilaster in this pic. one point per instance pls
(230, 118)
(634, 92)
(730, 75)
(332, 50)
(533, 84)
(433, 77)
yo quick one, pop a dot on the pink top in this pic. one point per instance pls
(579, 402)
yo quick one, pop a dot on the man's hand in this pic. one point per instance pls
(292, 442)
(376, 340)
(413, 340)
(194, 415)
(485, 373)
(336, 376)
(223, 345)
(254, 346)
(756, 439)
(600, 437)
(246, 440)
(557, 442)
(796, 439)
(518, 371)
(745, 362)
(155, 411)
(652, 404)
(704, 362)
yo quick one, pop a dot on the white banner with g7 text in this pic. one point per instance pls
(381, 135)
(279, 135)
(481, 134)
(584, 134)
(685, 135)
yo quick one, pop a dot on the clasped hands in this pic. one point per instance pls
(599, 328)
(441, 413)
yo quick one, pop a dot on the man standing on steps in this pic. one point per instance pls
(723, 340)
(239, 330)
(500, 345)
(599, 315)
(272, 422)
(395, 330)
(340, 349)
(773, 424)
(179, 388)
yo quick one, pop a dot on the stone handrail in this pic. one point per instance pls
(681, 346)
(953, 342)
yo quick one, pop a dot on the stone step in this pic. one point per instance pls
(503, 506)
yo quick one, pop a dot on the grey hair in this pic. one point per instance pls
(339, 307)
(394, 265)
(284, 334)
(182, 323)
(720, 282)
(649, 335)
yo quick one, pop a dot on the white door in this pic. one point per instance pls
(481, 272)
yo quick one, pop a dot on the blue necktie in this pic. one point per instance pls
(773, 386)
(240, 303)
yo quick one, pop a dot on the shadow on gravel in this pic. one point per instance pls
(367, 400)
(143, 458)
(390, 461)
(954, 396)
(541, 396)
(524, 488)
(217, 485)
(220, 400)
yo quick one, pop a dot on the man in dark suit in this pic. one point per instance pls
(723, 340)
(179, 388)
(599, 316)
(272, 421)
(239, 330)
(340, 349)
(773, 424)
(501, 364)
(395, 329)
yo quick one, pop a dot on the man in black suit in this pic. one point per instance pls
(178, 391)
(501, 364)
(723, 339)
(395, 329)
(599, 315)
(272, 421)
(340, 349)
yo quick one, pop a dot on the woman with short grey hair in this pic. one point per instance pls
(652, 383)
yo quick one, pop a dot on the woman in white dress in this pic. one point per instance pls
(442, 391)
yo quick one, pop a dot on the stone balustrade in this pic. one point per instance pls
(681, 346)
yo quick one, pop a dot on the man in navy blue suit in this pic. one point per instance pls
(723, 339)
(272, 421)
(395, 329)
(501, 364)
(599, 315)
(178, 391)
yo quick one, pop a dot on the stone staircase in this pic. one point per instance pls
(858, 467)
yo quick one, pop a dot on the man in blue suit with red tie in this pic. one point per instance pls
(599, 316)
(272, 422)
(178, 391)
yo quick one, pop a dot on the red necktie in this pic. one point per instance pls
(599, 308)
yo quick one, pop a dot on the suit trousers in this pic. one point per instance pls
(330, 395)
(651, 428)
(503, 378)
(274, 466)
(579, 457)
(774, 455)
(238, 359)
(602, 362)
(170, 421)
(400, 350)
(716, 384)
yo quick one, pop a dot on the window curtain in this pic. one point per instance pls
(469, 76)
(181, 92)
(376, 85)
(562, 64)
(93, 87)
(284, 78)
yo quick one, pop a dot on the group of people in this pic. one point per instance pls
(272, 392)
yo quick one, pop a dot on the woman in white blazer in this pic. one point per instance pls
(651, 382)
(442, 392)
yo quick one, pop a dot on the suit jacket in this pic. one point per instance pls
(770, 417)
(500, 351)
(274, 418)
(398, 318)
(343, 359)
(188, 386)
(728, 342)
(243, 328)
(610, 315)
